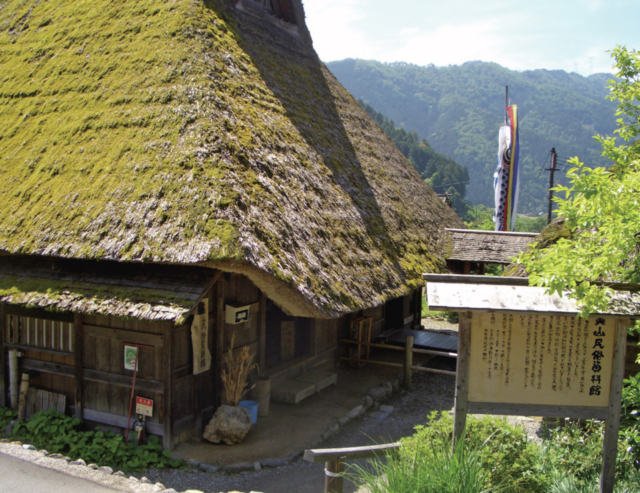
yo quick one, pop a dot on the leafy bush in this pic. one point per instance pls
(451, 317)
(6, 417)
(58, 433)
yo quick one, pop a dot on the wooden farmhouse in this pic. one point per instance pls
(180, 174)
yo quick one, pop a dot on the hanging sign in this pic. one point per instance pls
(200, 338)
(130, 357)
(144, 406)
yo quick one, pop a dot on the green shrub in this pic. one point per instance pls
(60, 434)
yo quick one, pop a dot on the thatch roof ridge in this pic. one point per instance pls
(182, 132)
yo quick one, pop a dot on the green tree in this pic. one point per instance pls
(600, 208)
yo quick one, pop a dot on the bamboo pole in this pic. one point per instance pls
(333, 476)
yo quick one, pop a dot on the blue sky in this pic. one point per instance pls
(571, 35)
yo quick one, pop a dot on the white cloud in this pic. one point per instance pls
(334, 29)
(517, 35)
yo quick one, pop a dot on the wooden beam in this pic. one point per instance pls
(167, 401)
(400, 348)
(400, 365)
(469, 279)
(350, 453)
(551, 411)
(3, 361)
(121, 335)
(119, 421)
(46, 367)
(263, 333)
(78, 342)
(462, 376)
(24, 347)
(38, 313)
(612, 423)
(122, 380)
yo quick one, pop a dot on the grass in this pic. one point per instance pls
(439, 470)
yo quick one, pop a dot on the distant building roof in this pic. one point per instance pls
(496, 247)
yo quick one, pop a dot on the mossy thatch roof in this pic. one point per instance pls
(194, 132)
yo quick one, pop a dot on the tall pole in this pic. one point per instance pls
(552, 171)
(506, 103)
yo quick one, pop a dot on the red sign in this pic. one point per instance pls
(144, 406)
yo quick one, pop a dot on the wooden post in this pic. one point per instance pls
(408, 362)
(612, 423)
(78, 343)
(3, 361)
(462, 376)
(333, 476)
(24, 390)
(167, 377)
(263, 333)
(219, 301)
(552, 171)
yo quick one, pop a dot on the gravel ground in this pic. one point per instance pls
(429, 392)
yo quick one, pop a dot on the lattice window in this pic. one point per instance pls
(33, 332)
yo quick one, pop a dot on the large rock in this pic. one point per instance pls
(230, 424)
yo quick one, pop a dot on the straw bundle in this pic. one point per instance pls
(235, 376)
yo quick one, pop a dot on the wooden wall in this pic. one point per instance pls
(47, 341)
(107, 385)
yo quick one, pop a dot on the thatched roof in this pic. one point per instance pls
(496, 247)
(145, 292)
(196, 132)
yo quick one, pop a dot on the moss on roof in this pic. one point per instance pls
(184, 132)
(103, 288)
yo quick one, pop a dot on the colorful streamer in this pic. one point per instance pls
(506, 179)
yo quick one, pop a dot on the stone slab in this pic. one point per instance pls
(292, 391)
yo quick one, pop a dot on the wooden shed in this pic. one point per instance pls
(469, 249)
(186, 161)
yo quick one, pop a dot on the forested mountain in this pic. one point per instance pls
(459, 109)
(442, 173)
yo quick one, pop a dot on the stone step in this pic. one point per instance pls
(292, 391)
(321, 379)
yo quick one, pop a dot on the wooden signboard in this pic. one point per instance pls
(533, 358)
(526, 353)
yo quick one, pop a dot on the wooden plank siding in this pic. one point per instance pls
(106, 384)
(3, 362)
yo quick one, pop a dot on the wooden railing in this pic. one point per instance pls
(334, 459)
(408, 365)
